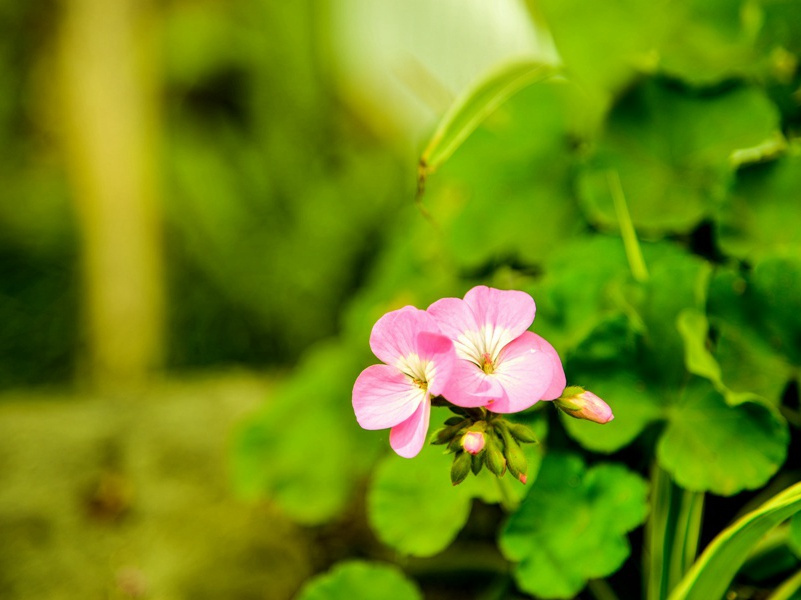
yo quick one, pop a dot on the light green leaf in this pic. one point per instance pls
(795, 535)
(672, 152)
(713, 40)
(759, 219)
(633, 403)
(582, 28)
(571, 527)
(472, 107)
(694, 328)
(305, 449)
(711, 446)
(713, 572)
(412, 506)
(360, 580)
(505, 196)
(746, 355)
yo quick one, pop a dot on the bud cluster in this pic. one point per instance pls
(480, 438)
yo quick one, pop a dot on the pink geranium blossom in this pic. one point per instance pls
(503, 367)
(397, 395)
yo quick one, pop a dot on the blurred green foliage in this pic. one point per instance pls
(693, 109)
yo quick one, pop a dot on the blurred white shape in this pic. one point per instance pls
(401, 64)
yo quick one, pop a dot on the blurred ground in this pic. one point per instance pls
(127, 498)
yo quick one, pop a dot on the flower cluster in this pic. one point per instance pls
(475, 354)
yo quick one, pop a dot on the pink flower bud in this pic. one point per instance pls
(473, 442)
(581, 404)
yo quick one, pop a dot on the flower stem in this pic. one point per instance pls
(627, 231)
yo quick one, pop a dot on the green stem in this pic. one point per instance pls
(601, 589)
(627, 231)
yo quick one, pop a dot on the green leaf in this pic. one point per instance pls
(672, 152)
(633, 403)
(694, 328)
(412, 506)
(360, 580)
(711, 446)
(712, 573)
(506, 194)
(758, 220)
(571, 526)
(776, 282)
(746, 355)
(472, 107)
(713, 40)
(795, 535)
(305, 449)
(626, 30)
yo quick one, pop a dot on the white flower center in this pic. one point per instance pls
(482, 347)
(419, 370)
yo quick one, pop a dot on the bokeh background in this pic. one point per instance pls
(204, 206)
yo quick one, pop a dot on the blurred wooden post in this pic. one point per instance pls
(109, 102)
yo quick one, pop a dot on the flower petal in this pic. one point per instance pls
(485, 321)
(407, 439)
(394, 335)
(455, 319)
(505, 313)
(558, 382)
(525, 371)
(469, 386)
(384, 397)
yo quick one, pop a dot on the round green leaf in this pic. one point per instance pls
(360, 580)
(672, 151)
(760, 218)
(743, 348)
(571, 526)
(506, 193)
(633, 403)
(305, 448)
(412, 506)
(711, 446)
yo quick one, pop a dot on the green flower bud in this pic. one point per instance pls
(515, 458)
(445, 435)
(477, 462)
(523, 433)
(461, 466)
(494, 457)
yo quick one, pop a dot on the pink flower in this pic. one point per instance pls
(581, 404)
(503, 367)
(397, 395)
(473, 442)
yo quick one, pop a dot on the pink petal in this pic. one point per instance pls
(558, 382)
(454, 317)
(394, 335)
(525, 372)
(485, 321)
(509, 311)
(384, 397)
(407, 439)
(470, 386)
